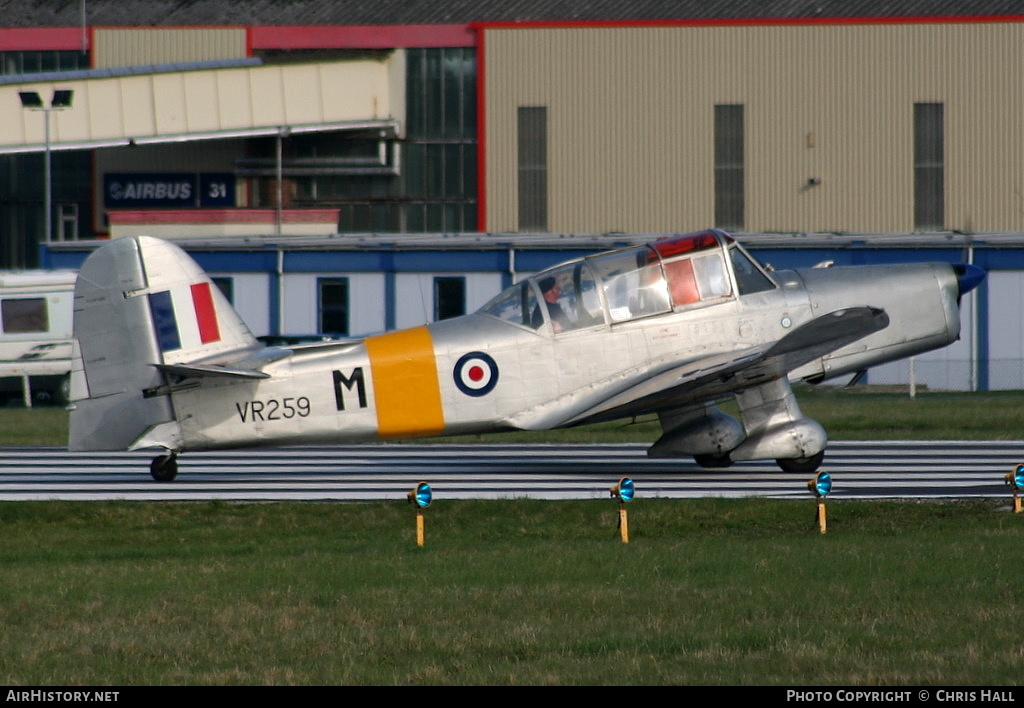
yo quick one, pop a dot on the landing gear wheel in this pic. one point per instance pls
(713, 462)
(801, 465)
(164, 468)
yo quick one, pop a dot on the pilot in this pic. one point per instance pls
(559, 320)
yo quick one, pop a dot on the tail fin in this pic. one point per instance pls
(141, 303)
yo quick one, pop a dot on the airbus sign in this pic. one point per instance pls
(127, 190)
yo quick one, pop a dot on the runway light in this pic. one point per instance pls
(820, 487)
(1015, 480)
(624, 492)
(420, 498)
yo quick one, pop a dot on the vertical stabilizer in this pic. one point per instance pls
(141, 302)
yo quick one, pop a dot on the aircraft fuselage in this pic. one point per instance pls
(668, 328)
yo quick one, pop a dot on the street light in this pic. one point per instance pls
(60, 101)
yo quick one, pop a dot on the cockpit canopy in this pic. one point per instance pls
(671, 274)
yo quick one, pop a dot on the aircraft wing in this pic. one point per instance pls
(711, 377)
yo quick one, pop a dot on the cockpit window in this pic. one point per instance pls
(677, 272)
(515, 304)
(569, 298)
(569, 301)
(697, 278)
(749, 278)
(633, 283)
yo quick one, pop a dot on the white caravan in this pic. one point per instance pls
(35, 335)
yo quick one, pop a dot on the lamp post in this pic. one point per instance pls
(60, 101)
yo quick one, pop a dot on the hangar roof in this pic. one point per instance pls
(141, 13)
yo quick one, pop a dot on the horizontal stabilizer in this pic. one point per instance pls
(251, 366)
(198, 371)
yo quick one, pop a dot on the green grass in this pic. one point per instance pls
(34, 426)
(850, 415)
(730, 592)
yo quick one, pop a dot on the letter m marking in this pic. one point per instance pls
(348, 382)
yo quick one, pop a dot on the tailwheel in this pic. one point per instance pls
(713, 462)
(801, 465)
(164, 468)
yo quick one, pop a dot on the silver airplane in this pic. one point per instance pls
(669, 328)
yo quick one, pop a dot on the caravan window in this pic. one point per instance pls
(23, 315)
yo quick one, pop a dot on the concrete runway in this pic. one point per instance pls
(860, 470)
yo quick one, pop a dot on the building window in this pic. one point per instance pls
(37, 62)
(226, 285)
(532, 137)
(449, 297)
(332, 302)
(67, 222)
(929, 182)
(729, 166)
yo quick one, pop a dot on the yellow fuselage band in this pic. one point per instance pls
(405, 386)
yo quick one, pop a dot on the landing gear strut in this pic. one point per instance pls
(164, 468)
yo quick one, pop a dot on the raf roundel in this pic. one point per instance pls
(476, 374)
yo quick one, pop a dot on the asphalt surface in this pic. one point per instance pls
(860, 470)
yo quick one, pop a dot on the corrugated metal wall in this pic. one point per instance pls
(116, 47)
(631, 123)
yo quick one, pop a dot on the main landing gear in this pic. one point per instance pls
(165, 467)
(795, 465)
(802, 465)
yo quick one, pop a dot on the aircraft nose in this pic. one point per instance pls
(968, 277)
